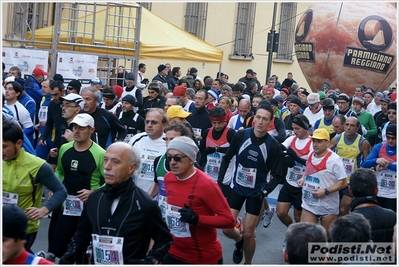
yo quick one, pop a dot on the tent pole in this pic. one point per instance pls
(56, 38)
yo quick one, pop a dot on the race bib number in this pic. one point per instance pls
(42, 115)
(73, 206)
(107, 249)
(162, 202)
(213, 165)
(127, 138)
(147, 168)
(311, 184)
(349, 165)
(10, 198)
(296, 173)
(246, 176)
(176, 227)
(386, 180)
(197, 131)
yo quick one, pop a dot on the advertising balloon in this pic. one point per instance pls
(348, 44)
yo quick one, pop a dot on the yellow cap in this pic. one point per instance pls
(177, 111)
(321, 134)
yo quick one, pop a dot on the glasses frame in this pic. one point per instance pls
(176, 158)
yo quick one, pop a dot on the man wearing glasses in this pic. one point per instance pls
(150, 145)
(314, 111)
(391, 119)
(344, 106)
(73, 87)
(195, 208)
(71, 106)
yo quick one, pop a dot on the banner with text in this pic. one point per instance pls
(26, 59)
(77, 66)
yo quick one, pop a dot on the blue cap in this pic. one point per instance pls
(380, 94)
(96, 81)
(279, 98)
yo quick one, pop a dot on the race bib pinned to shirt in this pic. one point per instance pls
(349, 165)
(246, 177)
(311, 184)
(73, 206)
(147, 168)
(212, 166)
(107, 249)
(296, 173)
(10, 198)
(386, 180)
(177, 227)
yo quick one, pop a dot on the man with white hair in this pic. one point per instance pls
(195, 208)
(120, 219)
(314, 111)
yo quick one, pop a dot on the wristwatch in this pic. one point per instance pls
(264, 192)
(326, 191)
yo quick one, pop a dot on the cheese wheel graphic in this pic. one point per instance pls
(352, 43)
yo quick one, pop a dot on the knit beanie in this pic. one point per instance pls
(15, 222)
(185, 145)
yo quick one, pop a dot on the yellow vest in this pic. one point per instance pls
(329, 128)
(350, 152)
(18, 175)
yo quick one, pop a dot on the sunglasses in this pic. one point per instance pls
(151, 121)
(391, 137)
(391, 113)
(176, 158)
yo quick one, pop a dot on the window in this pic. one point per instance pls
(287, 31)
(147, 5)
(195, 19)
(244, 29)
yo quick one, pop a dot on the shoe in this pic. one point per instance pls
(239, 224)
(41, 253)
(50, 257)
(238, 253)
(267, 221)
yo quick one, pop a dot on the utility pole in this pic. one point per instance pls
(271, 46)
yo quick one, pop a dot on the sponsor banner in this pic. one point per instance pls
(77, 66)
(26, 59)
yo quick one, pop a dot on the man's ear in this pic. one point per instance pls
(19, 143)
(285, 256)
(350, 191)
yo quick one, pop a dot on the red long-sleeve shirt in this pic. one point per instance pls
(204, 196)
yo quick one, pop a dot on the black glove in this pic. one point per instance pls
(288, 161)
(72, 255)
(146, 260)
(209, 150)
(260, 194)
(188, 215)
(292, 153)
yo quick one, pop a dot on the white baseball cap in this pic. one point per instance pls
(74, 98)
(83, 120)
